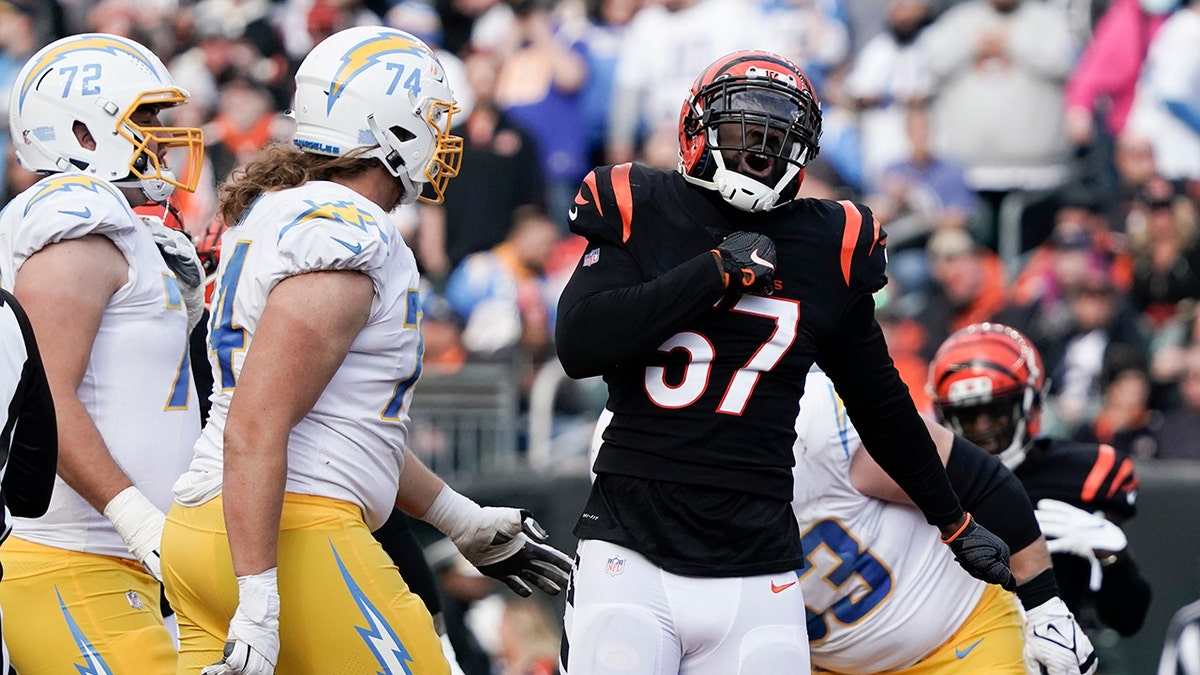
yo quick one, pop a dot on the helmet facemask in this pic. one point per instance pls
(146, 170)
(395, 144)
(759, 133)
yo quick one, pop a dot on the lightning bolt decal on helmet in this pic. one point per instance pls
(382, 92)
(100, 80)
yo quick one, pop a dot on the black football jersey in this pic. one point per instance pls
(1090, 476)
(705, 385)
(1093, 477)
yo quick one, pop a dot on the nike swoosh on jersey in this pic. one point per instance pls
(962, 653)
(780, 589)
(85, 213)
(354, 248)
(754, 256)
(573, 213)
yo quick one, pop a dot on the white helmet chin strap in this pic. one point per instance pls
(155, 189)
(398, 168)
(1014, 454)
(742, 191)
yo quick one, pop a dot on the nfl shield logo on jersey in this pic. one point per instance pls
(591, 258)
(614, 566)
(134, 600)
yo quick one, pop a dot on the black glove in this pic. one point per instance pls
(748, 259)
(535, 562)
(982, 554)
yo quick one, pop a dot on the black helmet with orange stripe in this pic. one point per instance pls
(750, 125)
(986, 383)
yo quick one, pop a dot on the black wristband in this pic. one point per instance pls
(1038, 590)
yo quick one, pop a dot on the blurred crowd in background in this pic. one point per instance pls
(1034, 162)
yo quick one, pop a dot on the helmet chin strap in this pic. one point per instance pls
(393, 161)
(155, 189)
(1014, 454)
(742, 191)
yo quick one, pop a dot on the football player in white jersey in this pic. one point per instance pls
(882, 593)
(315, 346)
(81, 586)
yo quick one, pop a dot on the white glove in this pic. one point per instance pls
(252, 644)
(140, 525)
(503, 543)
(179, 253)
(1055, 644)
(1073, 530)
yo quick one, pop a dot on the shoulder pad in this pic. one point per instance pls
(323, 233)
(603, 206)
(1111, 483)
(863, 258)
(70, 206)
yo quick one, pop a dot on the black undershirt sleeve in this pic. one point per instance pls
(993, 494)
(398, 541)
(33, 454)
(1124, 596)
(877, 400)
(608, 317)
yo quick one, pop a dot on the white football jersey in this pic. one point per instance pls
(881, 589)
(138, 385)
(350, 446)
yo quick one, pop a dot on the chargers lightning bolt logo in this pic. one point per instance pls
(95, 664)
(100, 43)
(67, 182)
(378, 635)
(340, 211)
(366, 54)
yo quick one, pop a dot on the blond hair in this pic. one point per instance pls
(280, 166)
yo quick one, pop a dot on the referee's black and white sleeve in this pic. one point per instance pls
(28, 430)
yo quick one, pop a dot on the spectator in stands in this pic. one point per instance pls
(1166, 252)
(1100, 317)
(607, 22)
(499, 174)
(667, 44)
(968, 285)
(528, 638)
(539, 84)
(1133, 164)
(1179, 434)
(503, 298)
(812, 33)
(1124, 420)
(1104, 79)
(1166, 107)
(923, 193)
(999, 68)
(889, 77)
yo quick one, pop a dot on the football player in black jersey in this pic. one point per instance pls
(703, 297)
(986, 381)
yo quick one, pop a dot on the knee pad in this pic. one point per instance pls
(613, 640)
(774, 649)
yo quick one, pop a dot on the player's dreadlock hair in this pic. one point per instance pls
(278, 167)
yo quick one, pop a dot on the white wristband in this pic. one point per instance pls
(451, 513)
(139, 522)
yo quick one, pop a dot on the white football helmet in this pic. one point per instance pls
(383, 90)
(100, 80)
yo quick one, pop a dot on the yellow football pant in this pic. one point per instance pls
(71, 612)
(989, 642)
(343, 608)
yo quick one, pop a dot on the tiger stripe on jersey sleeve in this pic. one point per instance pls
(863, 257)
(603, 206)
(623, 192)
(1111, 476)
